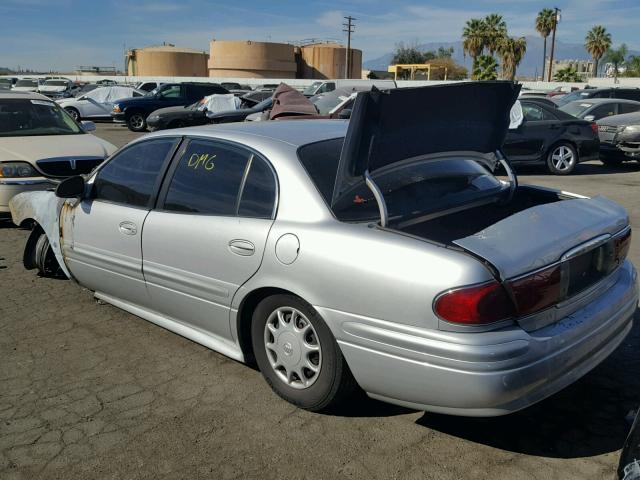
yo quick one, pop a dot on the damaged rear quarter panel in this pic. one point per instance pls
(48, 211)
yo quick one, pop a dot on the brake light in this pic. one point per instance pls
(538, 290)
(477, 305)
(594, 127)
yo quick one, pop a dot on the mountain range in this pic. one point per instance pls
(530, 65)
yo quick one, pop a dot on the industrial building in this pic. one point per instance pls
(248, 59)
(166, 60)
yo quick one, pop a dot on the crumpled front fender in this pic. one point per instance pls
(44, 208)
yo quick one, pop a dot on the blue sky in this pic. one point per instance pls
(47, 34)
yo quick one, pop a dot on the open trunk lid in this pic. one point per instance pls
(391, 126)
(541, 235)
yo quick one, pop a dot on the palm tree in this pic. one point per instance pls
(597, 42)
(495, 31)
(616, 57)
(473, 40)
(545, 22)
(633, 66)
(486, 68)
(511, 51)
(568, 74)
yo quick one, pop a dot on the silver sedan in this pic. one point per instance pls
(381, 253)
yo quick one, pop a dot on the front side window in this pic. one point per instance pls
(130, 177)
(172, 92)
(22, 117)
(602, 111)
(628, 107)
(207, 179)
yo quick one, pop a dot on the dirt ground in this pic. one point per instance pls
(88, 391)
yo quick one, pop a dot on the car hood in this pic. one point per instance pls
(35, 148)
(389, 126)
(136, 100)
(624, 119)
(172, 111)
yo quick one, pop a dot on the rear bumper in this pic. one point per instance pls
(484, 374)
(11, 187)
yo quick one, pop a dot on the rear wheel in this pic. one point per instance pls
(297, 354)
(562, 159)
(137, 122)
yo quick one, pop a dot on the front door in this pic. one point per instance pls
(103, 247)
(208, 235)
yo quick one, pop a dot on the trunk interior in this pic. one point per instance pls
(447, 228)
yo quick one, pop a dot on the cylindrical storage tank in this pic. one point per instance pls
(248, 59)
(328, 60)
(167, 61)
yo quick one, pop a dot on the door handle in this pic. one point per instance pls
(128, 228)
(242, 247)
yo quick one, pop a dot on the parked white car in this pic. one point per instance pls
(58, 88)
(27, 85)
(98, 103)
(40, 144)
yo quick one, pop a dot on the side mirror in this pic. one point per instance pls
(88, 126)
(345, 114)
(589, 118)
(72, 187)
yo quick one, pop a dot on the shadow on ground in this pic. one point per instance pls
(589, 168)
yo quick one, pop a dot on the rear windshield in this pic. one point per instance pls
(576, 108)
(417, 188)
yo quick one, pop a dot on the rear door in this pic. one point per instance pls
(103, 248)
(208, 234)
(528, 142)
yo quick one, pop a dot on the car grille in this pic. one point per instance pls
(68, 166)
(608, 128)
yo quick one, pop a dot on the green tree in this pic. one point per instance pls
(444, 52)
(616, 57)
(405, 54)
(545, 21)
(473, 41)
(567, 74)
(495, 30)
(597, 42)
(633, 66)
(486, 68)
(511, 51)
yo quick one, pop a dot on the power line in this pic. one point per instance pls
(350, 28)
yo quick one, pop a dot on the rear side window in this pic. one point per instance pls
(628, 94)
(131, 176)
(535, 113)
(207, 179)
(259, 191)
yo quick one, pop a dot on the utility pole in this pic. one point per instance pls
(350, 27)
(556, 19)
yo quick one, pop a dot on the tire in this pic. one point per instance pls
(74, 113)
(44, 258)
(323, 389)
(562, 158)
(137, 122)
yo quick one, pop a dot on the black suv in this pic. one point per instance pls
(134, 110)
(626, 93)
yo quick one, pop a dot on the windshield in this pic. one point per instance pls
(27, 83)
(19, 117)
(576, 108)
(311, 89)
(6, 81)
(326, 103)
(419, 187)
(572, 97)
(56, 83)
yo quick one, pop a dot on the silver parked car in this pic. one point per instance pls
(382, 252)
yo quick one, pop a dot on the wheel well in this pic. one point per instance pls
(28, 257)
(74, 109)
(245, 314)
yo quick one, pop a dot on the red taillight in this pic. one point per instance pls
(538, 290)
(477, 305)
(594, 127)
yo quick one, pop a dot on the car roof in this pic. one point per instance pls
(292, 132)
(22, 95)
(597, 101)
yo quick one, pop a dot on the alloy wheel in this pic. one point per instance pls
(293, 347)
(562, 158)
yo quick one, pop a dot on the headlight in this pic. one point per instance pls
(116, 108)
(631, 129)
(17, 170)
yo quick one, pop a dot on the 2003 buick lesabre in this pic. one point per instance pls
(382, 252)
